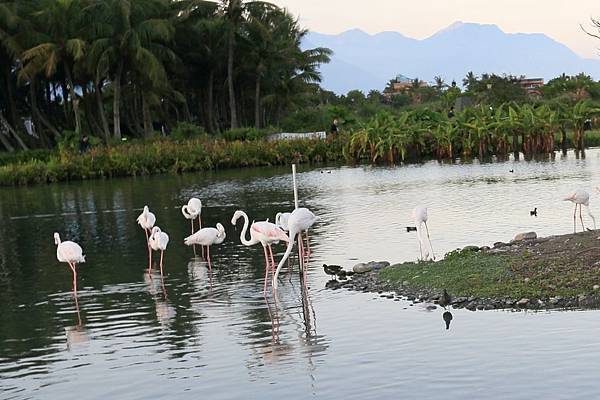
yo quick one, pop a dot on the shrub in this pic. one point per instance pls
(185, 130)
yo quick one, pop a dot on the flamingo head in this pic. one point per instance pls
(236, 216)
(56, 238)
(146, 210)
(221, 229)
(221, 235)
(278, 218)
(570, 197)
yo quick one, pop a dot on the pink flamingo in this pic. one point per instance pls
(158, 242)
(419, 215)
(193, 210)
(207, 237)
(265, 233)
(71, 253)
(147, 220)
(581, 198)
(299, 221)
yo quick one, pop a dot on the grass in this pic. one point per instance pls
(485, 275)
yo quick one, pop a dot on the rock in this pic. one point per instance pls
(362, 268)
(555, 300)
(485, 248)
(523, 302)
(375, 266)
(458, 300)
(471, 306)
(431, 307)
(525, 236)
(596, 287)
(526, 280)
(498, 245)
(405, 283)
(470, 249)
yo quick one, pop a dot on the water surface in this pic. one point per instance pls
(131, 335)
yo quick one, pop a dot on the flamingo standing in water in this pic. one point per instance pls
(147, 220)
(301, 219)
(71, 253)
(419, 215)
(158, 242)
(265, 233)
(581, 198)
(281, 220)
(207, 237)
(193, 210)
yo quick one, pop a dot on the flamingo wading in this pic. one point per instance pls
(581, 198)
(147, 220)
(71, 253)
(207, 237)
(158, 242)
(265, 233)
(193, 210)
(301, 219)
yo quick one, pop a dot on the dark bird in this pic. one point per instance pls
(411, 229)
(511, 171)
(447, 318)
(445, 299)
(533, 213)
(332, 270)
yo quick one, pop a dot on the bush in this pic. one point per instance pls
(246, 134)
(185, 130)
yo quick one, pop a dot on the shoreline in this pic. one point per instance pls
(552, 273)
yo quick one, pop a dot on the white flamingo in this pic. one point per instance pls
(207, 237)
(265, 233)
(281, 220)
(193, 210)
(147, 220)
(419, 215)
(581, 198)
(158, 242)
(300, 220)
(71, 253)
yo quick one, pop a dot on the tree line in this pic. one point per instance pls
(115, 68)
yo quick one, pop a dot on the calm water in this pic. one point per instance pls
(132, 336)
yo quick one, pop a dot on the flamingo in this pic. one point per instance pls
(147, 220)
(281, 220)
(207, 237)
(71, 253)
(419, 215)
(581, 198)
(301, 219)
(265, 233)
(158, 241)
(193, 210)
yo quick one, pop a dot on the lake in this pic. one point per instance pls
(130, 335)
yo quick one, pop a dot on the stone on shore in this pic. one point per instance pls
(362, 268)
(525, 236)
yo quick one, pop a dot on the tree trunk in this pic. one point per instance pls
(146, 117)
(234, 120)
(211, 122)
(74, 100)
(100, 105)
(117, 102)
(257, 103)
(563, 139)
(12, 105)
(37, 115)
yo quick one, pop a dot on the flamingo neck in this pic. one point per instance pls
(244, 229)
(288, 251)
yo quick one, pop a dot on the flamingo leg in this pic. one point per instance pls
(208, 259)
(301, 252)
(273, 266)
(308, 252)
(420, 250)
(193, 246)
(581, 218)
(575, 219)
(266, 269)
(161, 263)
(72, 266)
(429, 239)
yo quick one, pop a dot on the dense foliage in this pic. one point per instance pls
(114, 68)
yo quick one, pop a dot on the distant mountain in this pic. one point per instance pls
(365, 62)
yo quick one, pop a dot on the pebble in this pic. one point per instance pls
(523, 302)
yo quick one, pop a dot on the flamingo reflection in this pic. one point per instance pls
(78, 334)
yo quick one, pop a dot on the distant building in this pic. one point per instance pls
(401, 84)
(532, 85)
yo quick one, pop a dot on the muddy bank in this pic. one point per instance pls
(557, 272)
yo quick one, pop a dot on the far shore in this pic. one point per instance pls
(556, 272)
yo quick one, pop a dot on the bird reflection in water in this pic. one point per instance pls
(447, 316)
(78, 334)
(165, 312)
(199, 273)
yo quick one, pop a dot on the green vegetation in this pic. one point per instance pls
(521, 274)
(122, 68)
(166, 156)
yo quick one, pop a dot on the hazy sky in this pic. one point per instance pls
(559, 19)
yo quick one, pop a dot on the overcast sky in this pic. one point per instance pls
(559, 19)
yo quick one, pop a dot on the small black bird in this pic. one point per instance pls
(445, 299)
(411, 229)
(447, 318)
(533, 213)
(511, 171)
(332, 270)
